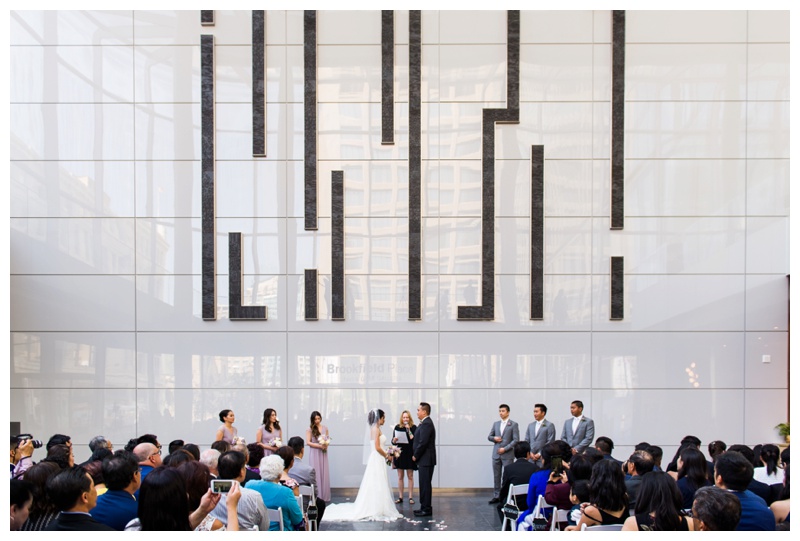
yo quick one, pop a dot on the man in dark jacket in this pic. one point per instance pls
(73, 493)
(517, 473)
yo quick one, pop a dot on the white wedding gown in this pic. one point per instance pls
(374, 500)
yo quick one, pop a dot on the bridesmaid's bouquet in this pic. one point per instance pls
(392, 452)
(275, 442)
(238, 439)
(324, 440)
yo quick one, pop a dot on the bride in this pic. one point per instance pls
(374, 500)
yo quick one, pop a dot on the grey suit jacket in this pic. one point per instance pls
(510, 438)
(582, 438)
(303, 473)
(547, 434)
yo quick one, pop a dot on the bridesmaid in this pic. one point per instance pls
(269, 430)
(317, 439)
(227, 431)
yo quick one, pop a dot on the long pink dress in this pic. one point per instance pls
(319, 461)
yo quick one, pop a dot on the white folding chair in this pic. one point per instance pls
(541, 505)
(559, 516)
(308, 492)
(513, 490)
(601, 528)
(276, 515)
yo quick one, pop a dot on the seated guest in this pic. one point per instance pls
(608, 501)
(716, 510)
(605, 445)
(99, 455)
(734, 472)
(642, 446)
(537, 484)
(780, 508)
(209, 458)
(275, 495)
(193, 450)
(164, 505)
(578, 496)
(21, 456)
(767, 471)
(251, 510)
(21, 500)
(517, 473)
(222, 446)
(178, 457)
(715, 448)
(756, 487)
(254, 455)
(658, 454)
(95, 469)
(43, 510)
(593, 454)
(58, 439)
(559, 487)
(287, 454)
(248, 474)
(118, 506)
(72, 491)
(639, 463)
(174, 445)
(785, 456)
(692, 471)
(62, 455)
(686, 441)
(198, 479)
(659, 506)
(96, 444)
(303, 473)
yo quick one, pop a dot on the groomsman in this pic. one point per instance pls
(425, 457)
(504, 435)
(579, 431)
(540, 432)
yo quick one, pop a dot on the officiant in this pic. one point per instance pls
(403, 437)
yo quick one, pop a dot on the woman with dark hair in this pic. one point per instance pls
(715, 448)
(317, 440)
(227, 431)
(608, 500)
(100, 454)
(287, 455)
(692, 474)
(198, 478)
(21, 500)
(43, 509)
(781, 507)
(374, 500)
(254, 455)
(193, 450)
(559, 486)
(685, 442)
(270, 435)
(62, 455)
(164, 505)
(768, 471)
(95, 471)
(173, 460)
(658, 506)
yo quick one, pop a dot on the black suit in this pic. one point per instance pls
(77, 522)
(518, 473)
(425, 457)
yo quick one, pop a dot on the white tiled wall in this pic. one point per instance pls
(106, 328)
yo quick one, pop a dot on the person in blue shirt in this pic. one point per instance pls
(733, 472)
(276, 495)
(118, 506)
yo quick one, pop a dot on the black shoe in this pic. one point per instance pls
(494, 500)
(421, 513)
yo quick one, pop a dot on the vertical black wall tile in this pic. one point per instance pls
(337, 244)
(207, 188)
(509, 115)
(311, 290)
(415, 166)
(387, 77)
(207, 17)
(537, 232)
(235, 308)
(310, 116)
(618, 120)
(617, 288)
(259, 88)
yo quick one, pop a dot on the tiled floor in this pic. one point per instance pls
(453, 510)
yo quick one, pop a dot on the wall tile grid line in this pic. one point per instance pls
(117, 286)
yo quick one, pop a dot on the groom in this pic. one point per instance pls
(425, 457)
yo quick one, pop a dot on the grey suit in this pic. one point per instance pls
(582, 437)
(304, 474)
(547, 434)
(510, 437)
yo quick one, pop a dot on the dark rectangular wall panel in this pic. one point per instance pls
(387, 77)
(259, 86)
(207, 17)
(235, 308)
(618, 120)
(311, 289)
(337, 244)
(207, 188)
(617, 288)
(509, 115)
(310, 116)
(415, 165)
(537, 232)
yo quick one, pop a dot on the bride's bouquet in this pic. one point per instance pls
(392, 452)
(324, 440)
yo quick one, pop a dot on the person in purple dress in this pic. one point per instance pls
(227, 431)
(270, 435)
(317, 440)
